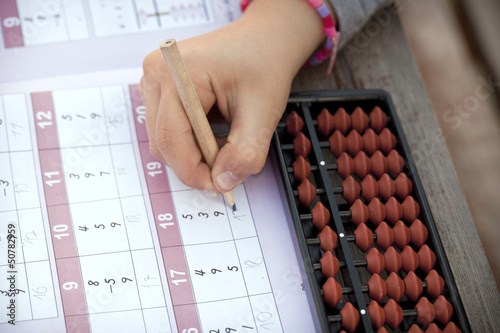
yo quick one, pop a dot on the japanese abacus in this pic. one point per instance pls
(371, 251)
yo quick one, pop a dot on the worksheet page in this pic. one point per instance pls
(42, 38)
(95, 234)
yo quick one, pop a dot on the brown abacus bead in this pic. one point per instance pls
(394, 211)
(378, 119)
(350, 317)
(345, 165)
(307, 192)
(302, 145)
(410, 259)
(371, 142)
(359, 120)
(387, 141)
(433, 328)
(369, 188)
(402, 234)
(382, 330)
(294, 123)
(362, 164)
(385, 236)
(329, 264)
(411, 209)
(393, 314)
(413, 286)
(332, 292)
(320, 216)
(379, 164)
(377, 211)
(328, 239)
(395, 286)
(404, 186)
(350, 189)
(377, 288)
(325, 122)
(301, 168)
(419, 233)
(415, 329)
(435, 284)
(451, 328)
(425, 311)
(338, 143)
(359, 212)
(386, 187)
(342, 121)
(376, 314)
(393, 261)
(364, 237)
(375, 261)
(444, 310)
(395, 163)
(427, 258)
(355, 143)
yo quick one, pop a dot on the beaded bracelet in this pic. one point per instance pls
(329, 49)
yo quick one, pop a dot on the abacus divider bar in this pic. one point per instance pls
(315, 168)
(352, 274)
(291, 146)
(336, 190)
(282, 124)
(342, 264)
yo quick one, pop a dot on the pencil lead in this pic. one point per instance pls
(234, 207)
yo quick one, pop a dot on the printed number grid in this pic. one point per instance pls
(103, 245)
(24, 257)
(212, 256)
(33, 22)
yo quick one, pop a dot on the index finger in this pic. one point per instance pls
(176, 143)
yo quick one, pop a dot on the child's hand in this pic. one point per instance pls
(246, 68)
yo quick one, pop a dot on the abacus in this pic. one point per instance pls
(371, 251)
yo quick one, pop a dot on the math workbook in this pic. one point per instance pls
(96, 235)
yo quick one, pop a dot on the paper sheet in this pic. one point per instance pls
(107, 238)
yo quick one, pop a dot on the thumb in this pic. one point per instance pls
(247, 146)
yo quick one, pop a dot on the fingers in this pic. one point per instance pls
(171, 140)
(177, 145)
(247, 145)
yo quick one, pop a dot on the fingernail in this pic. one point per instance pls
(227, 180)
(211, 193)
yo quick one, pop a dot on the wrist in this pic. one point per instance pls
(291, 29)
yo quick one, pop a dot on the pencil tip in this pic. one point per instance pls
(234, 207)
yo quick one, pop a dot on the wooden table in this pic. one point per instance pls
(384, 61)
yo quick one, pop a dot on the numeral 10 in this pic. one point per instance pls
(59, 231)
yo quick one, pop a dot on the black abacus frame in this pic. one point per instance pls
(381, 98)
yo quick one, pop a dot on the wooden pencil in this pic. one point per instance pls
(192, 106)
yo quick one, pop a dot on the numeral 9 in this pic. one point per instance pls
(70, 285)
(11, 22)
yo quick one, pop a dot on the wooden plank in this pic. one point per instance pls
(385, 62)
(483, 20)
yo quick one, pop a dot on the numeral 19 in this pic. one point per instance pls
(155, 167)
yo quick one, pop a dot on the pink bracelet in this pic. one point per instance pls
(329, 49)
